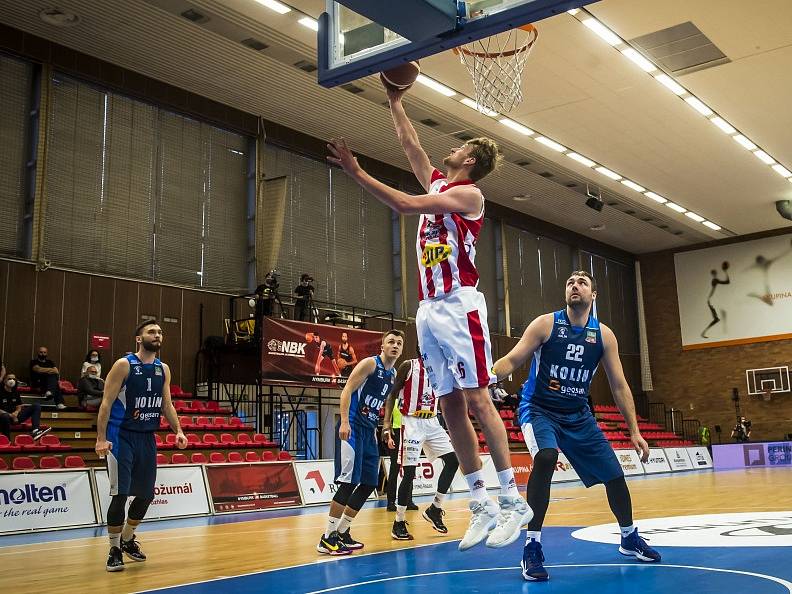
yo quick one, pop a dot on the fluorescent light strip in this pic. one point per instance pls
(552, 144)
(711, 225)
(435, 86)
(517, 127)
(480, 108)
(275, 5)
(723, 125)
(608, 173)
(675, 207)
(742, 140)
(642, 62)
(656, 197)
(310, 23)
(581, 159)
(694, 216)
(670, 83)
(609, 36)
(633, 185)
(781, 170)
(696, 104)
(764, 157)
(574, 11)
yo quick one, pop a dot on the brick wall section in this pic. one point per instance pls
(700, 382)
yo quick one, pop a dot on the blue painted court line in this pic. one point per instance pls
(573, 565)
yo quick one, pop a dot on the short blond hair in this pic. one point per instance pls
(488, 157)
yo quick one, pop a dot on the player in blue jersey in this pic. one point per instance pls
(137, 392)
(567, 346)
(357, 451)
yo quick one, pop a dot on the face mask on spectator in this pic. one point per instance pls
(93, 376)
(94, 359)
(42, 357)
(11, 383)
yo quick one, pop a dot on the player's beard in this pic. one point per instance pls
(150, 346)
(579, 305)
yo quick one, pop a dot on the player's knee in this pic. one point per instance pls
(450, 460)
(115, 513)
(359, 496)
(480, 404)
(545, 459)
(408, 473)
(343, 492)
(139, 507)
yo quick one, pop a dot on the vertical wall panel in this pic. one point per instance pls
(171, 308)
(75, 340)
(149, 300)
(20, 308)
(125, 317)
(4, 285)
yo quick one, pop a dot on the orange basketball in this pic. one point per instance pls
(309, 337)
(401, 77)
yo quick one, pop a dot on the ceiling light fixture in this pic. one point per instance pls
(435, 86)
(745, 142)
(517, 127)
(551, 144)
(581, 159)
(642, 62)
(608, 173)
(711, 225)
(723, 125)
(670, 83)
(764, 157)
(675, 207)
(278, 7)
(310, 23)
(781, 170)
(480, 108)
(609, 36)
(696, 104)
(656, 197)
(632, 185)
(694, 216)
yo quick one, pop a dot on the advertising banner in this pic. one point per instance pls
(630, 462)
(44, 500)
(749, 455)
(247, 487)
(313, 355)
(700, 457)
(179, 491)
(657, 462)
(564, 471)
(316, 478)
(678, 459)
(522, 464)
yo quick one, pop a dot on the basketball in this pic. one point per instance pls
(309, 336)
(401, 77)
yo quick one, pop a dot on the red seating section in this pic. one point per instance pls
(74, 462)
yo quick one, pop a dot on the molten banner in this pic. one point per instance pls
(246, 487)
(313, 355)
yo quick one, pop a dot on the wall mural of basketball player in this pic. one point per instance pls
(347, 359)
(325, 351)
(714, 285)
(764, 264)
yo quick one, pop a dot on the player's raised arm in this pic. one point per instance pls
(622, 394)
(408, 137)
(534, 336)
(359, 374)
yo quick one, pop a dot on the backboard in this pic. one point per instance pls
(359, 37)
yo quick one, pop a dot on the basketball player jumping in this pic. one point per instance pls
(451, 321)
(567, 347)
(137, 391)
(357, 451)
(420, 430)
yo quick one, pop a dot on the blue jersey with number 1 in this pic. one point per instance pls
(139, 403)
(563, 367)
(368, 399)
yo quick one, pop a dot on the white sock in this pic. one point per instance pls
(115, 539)
(400, 511)
(507, 483)
(439, 498)
(344, 522)
(127, 532)
(332, 525)
(531, 535)
(627, 530)
(477, 486)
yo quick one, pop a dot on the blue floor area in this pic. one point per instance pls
(574, 566)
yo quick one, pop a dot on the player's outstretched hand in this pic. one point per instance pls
(181, 440)
(640, 445)
(103, 447)
(344, 431)
(341, 155)
(394, 94)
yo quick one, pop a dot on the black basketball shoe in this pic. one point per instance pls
(434, 515)
(132, 550)
(115, 560)
(399, 531)
(348, 541)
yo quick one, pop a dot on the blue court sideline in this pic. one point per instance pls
(574, 565)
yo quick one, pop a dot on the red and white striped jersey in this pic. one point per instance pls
(446, 246)
(417, 398)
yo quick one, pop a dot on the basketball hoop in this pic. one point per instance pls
(496, 65)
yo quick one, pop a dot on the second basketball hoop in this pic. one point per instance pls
(496, 66)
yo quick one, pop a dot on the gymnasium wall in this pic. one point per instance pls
(700, 382)
(61, 310)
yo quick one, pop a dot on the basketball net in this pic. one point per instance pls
(496, 65)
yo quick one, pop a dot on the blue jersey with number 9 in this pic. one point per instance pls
(563, 367)
(368, 399)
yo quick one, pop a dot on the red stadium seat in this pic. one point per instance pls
(197, 406)
(268, 456)
(181, 392)
(67, 387)
(164, 425)
(217, 458)
(181, 406)
(227, 440)
(7, 446)
(259, 439)
(53, 443)
(244, 439)
(23, 463)
(210, 440)
(176, 390)
(193, 441)
(252, 457)
(161, 459)
(186, 423)
(235, 457)
(27, 443)
(179, 458)
(235, 422)
(48, 462)
(198, 458)
(74, 462)
(159, 442)
(220, 423)
(170, 440)
(3, 464)
(284, 456)
(203, 422)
